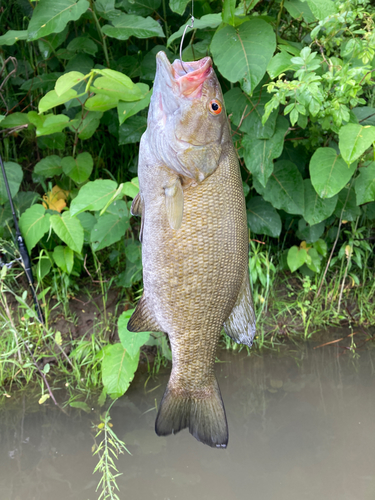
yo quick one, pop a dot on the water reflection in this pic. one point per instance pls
(301, 427)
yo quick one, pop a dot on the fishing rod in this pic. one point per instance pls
(22, 248)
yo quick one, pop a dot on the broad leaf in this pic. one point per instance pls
(52, 17)
(79, 169)
(285, 188)
(131, 131)
(101, 102)
(127, 109)
(309, 233)
(243, 53)
(88, 221)
(354, 140)
(365, 184)
(178, 6)
(14, 175)
(89, 124)
(128, 25)
(11, 37)
(68, 81)
(49, 166)
(131, 189)
(228, 13)
(329, 172)
(118, 369)
(365, 115)
(69, 230)
(263, 218)
(48, 44)
(280, 63)
(248, 110)
(109, 229)
(93, 196)
(347, 202)
(64, 258)
(260, 153)
(131, 341)
(51, 99)
(116, 89)
(34, 223)
(208, 21)
(317, 209)
(296, 258)
(322, 8)
(15, 120)
(51, 124)
(142, 7)
(83, 44)
(300, 10)
(45, 82)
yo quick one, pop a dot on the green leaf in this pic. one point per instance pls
(52, 17)
(365, 184)
(228, 13)
(109, 229)
(69, 230)
(131, 189)
(299, 9)
(88, 221)
(118, 369)
(131, 341)
(89, 124)
(45, 82)
(83, 44)
(263, 218)
(11, 37)
(68, 81)
(14, 175)
(79, 169)
(15, 120)
(48, 44)
(93, 196)
(285, 188)
(322, 8)
(313, 262)
(53, 141)
(49, 166)
(354, 140)
(101, 102)
(51, 99)
(321, 247)
(51, 124)
(131, 131)
(365, 115)
(127, 109)
(317, 209)
(64, 258)
(352, 210)
(178, 6)
(34, 223)
(128, 25)
(296, 258)
(141, 7)
(81, 405)
(280, 63)
(250, 110)
(208, 21)
(309, 233)
(243, 53)
(260, 153)
(115, 89)
(133, 252)
(329, 172)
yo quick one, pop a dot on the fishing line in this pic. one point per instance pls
(25, 258)
(191, 26)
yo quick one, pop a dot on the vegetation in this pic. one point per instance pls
(76, 83)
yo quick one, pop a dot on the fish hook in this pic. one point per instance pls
(191, 26)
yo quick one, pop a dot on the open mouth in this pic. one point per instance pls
(190, 82)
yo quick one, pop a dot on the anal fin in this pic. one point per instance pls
(174, 204)
(142, 319)
(240, 325)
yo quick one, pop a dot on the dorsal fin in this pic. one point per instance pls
(142, 319)
(174, 203)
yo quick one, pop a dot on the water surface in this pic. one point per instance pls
(301, 426)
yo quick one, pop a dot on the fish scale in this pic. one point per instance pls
(194, 274)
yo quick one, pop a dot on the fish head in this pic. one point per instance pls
(187, 110)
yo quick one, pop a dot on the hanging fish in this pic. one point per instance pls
(194, 243)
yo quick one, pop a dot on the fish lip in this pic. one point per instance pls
(189, 84)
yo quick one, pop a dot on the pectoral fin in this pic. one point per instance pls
(240, 325)
(136, 208)
(174, 204)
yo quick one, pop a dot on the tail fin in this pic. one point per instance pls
(205, 416)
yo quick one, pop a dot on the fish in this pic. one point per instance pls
(195, 246)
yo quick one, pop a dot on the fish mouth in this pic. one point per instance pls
(189, 83)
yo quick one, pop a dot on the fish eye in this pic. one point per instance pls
(215, 107)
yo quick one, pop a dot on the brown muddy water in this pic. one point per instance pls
(301, 426)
